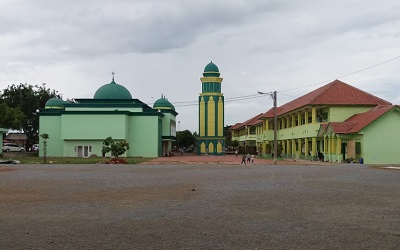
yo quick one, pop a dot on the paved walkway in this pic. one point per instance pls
(227, 160)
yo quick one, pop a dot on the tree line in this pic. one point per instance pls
(18, 105)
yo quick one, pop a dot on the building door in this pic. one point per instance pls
(79, 151)
(344, 150)
(83, 151)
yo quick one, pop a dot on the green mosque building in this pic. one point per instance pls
(78, 129)
(211, 139)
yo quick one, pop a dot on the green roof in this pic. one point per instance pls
(112, 91)
(211, 70)
(163, 103)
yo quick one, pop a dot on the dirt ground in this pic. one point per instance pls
(199, 205)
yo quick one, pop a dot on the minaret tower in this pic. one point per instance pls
(211, 139)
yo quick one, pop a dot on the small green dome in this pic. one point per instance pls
(54, 103)
(112, 91)
(163, 103)
(211, 70)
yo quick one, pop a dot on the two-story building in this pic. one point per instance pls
(336, 122)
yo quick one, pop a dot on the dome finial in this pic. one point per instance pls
(113, 73)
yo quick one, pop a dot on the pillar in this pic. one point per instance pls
(306, 148)
(293, 147)
(314, 147)
(299, 147)
(314, 114)
(339, 148)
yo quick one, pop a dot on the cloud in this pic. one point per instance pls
(161, 47)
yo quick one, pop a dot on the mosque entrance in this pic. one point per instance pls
(83, 151)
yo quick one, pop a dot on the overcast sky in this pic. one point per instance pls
(161, 47)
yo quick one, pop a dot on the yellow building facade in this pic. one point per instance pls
(326, 124)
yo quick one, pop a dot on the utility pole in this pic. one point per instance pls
(275, 131)
(274, 97)
(178, 135)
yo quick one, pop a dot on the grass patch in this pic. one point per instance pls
(75, 160)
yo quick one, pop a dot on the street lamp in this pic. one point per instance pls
(273, 95)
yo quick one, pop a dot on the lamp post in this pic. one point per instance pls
(273, 95)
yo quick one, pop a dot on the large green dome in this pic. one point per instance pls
(112, 91)
(163, 103)
(211, 70)
(55, 103)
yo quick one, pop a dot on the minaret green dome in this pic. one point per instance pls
(55, 103)
(112, 91)
(163, 103)
(211, 70)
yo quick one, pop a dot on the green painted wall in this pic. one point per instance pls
(89, 124)
(303, 131)
(51, 125)
(339, 114)
(381, 140)
(103, 109)
(87, 127)
(166, 124)
(144, 136)
(69, 147)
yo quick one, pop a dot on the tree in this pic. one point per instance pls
(116, 148)
(45, 137)
(20, 103)
(185, 138)
(10, 117)
(228, 137)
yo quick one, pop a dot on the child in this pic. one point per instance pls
(243, 160)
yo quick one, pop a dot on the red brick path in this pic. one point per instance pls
(226, 160)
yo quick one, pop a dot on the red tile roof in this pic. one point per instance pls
(236, 126)
(359, 121)
(342, 127)
(334, 93)
(364, 119)
(250, 122)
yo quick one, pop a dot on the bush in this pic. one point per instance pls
(116, 149)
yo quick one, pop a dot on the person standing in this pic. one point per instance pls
(243, 160)
(252, 159)
(248, 158)
(236, 152)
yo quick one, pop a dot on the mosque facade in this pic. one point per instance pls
(78, 129)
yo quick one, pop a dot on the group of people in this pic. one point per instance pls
(247, 158)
